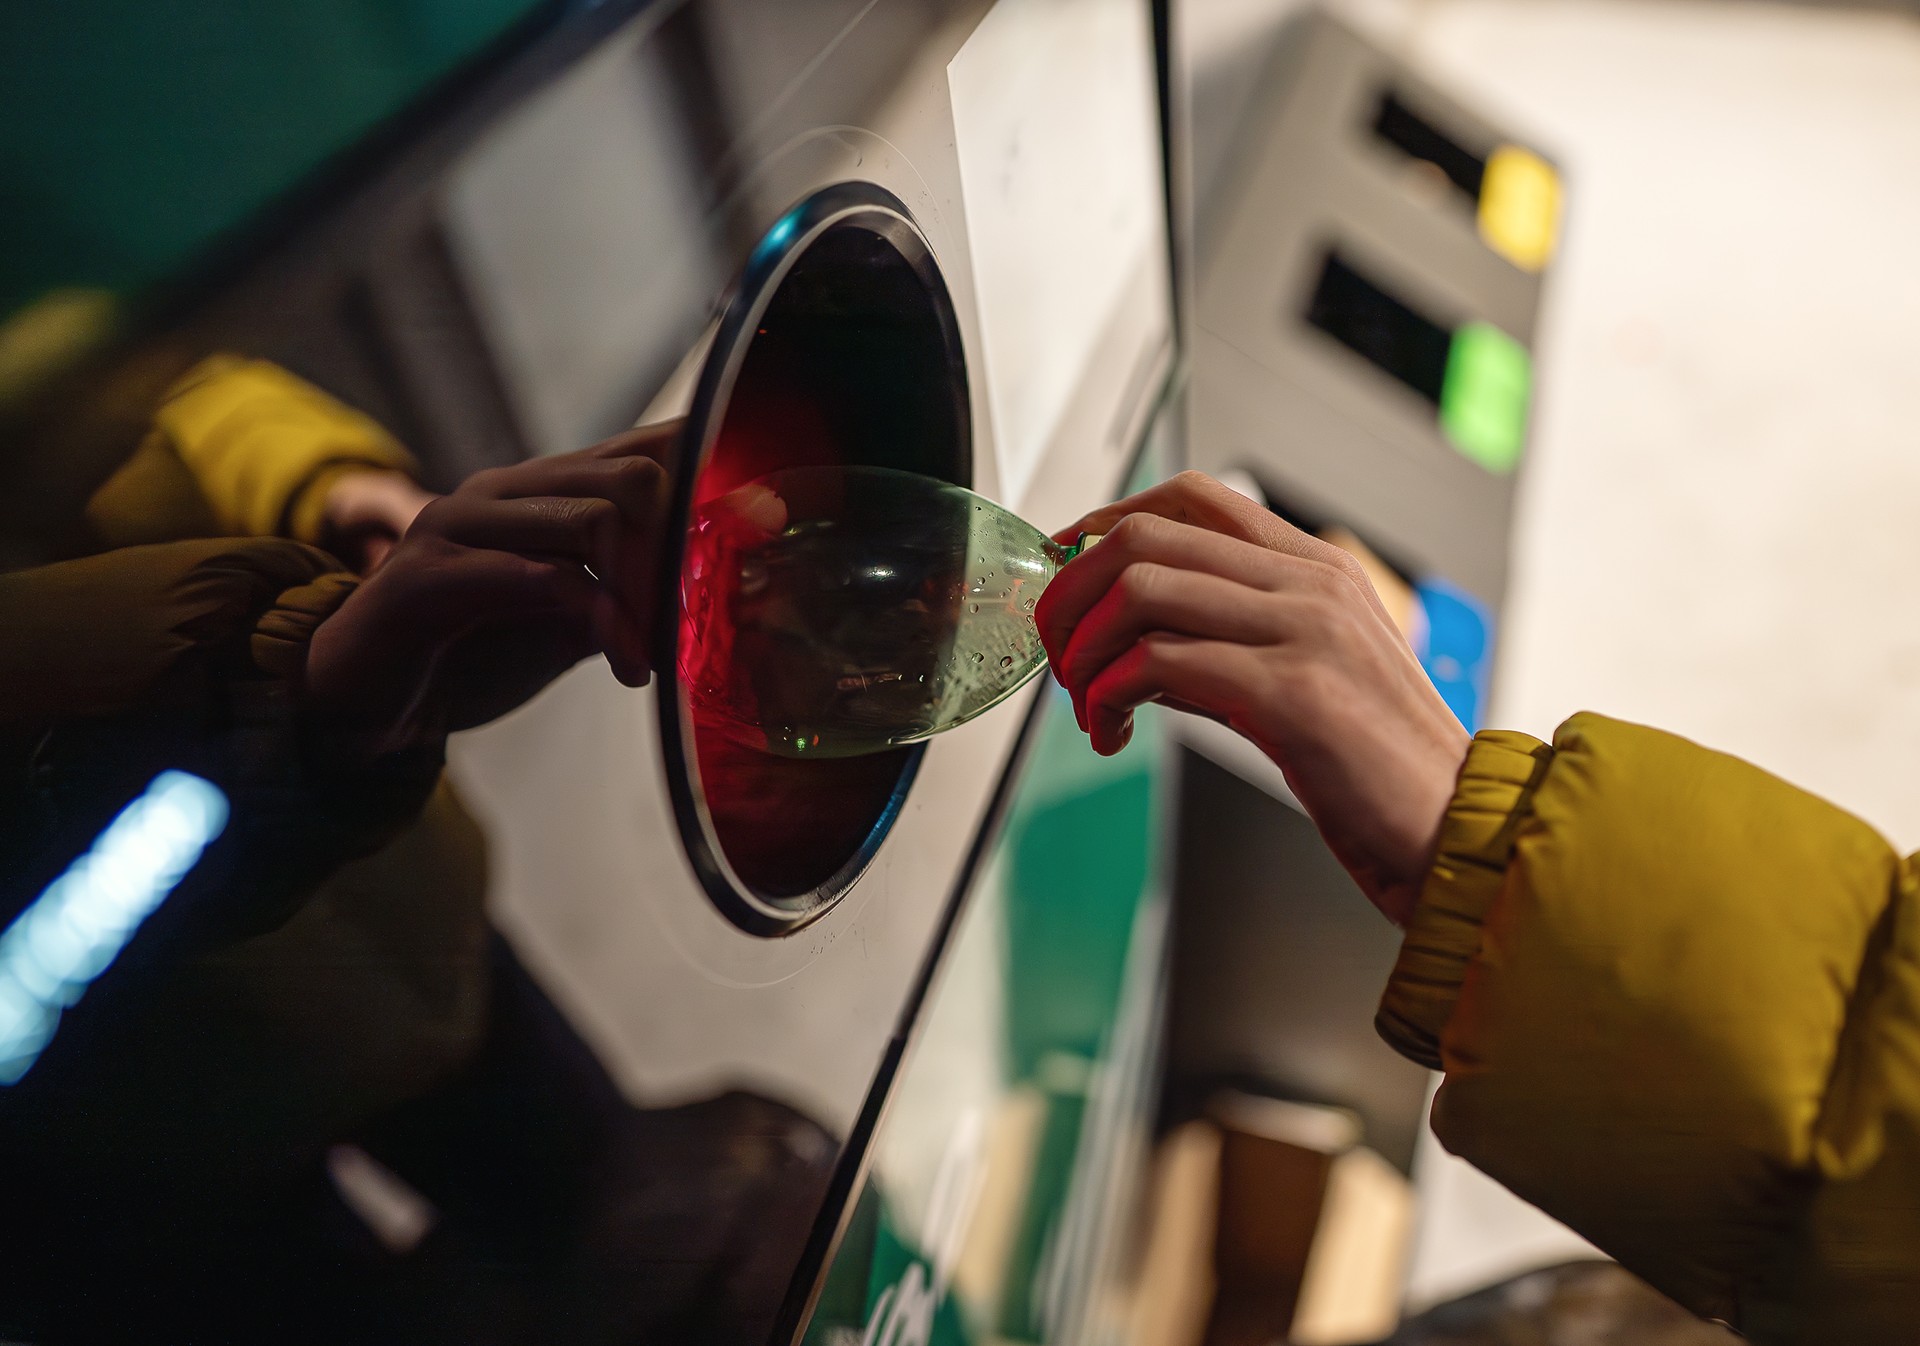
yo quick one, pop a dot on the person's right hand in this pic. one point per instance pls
(495, 590)
(1198, 598)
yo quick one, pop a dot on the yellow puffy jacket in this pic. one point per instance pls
(344, 967)
(1677, 1002)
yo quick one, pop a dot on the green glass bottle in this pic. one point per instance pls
(836, 611)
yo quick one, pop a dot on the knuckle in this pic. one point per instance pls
(1134, 533)
(488, 481)
(1331, 578)
(1342, 561)
(637, 473)
(432, 519)
(1140, 584)
(1160, 652)
(1124, 533)
(1073, 670)
(1217, 495)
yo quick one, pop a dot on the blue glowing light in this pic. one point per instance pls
(1457, 651)
(777, 237)
(74, 930)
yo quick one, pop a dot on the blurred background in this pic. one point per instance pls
(1711, 533)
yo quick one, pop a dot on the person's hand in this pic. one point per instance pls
(494, 591)
(1198, 598)
(367, 512)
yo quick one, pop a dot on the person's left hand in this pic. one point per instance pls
(367, 512)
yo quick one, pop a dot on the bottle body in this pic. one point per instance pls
(837, 611)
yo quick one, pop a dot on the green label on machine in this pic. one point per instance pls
(1484, 400)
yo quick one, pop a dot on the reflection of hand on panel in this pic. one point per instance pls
(495, 590)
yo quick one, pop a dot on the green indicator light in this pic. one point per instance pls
(1483, 402)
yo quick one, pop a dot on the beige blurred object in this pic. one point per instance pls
(1012, 1148)
(1356, 1268)
(1271, 1222)
(1396, 595)
(1175, 1287)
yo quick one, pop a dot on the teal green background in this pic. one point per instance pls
(137, 131)
(1081, 850)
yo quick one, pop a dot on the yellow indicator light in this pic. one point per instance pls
(1520, 207)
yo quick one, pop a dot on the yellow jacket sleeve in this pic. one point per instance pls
(1677, 1002)
(261, 446)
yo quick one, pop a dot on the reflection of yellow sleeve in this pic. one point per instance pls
(1678, 1006)
(263, 446)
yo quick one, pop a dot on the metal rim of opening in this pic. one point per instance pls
(845, 205)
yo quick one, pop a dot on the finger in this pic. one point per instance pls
(620, 635)
(504, 585)
(584, 530)
(636, 486)
(1197, 499)
(1147, 598)
(1212, 677)
(659, 440)
(485, 586)
(1147, 538)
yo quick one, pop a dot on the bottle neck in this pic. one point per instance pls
(1085, 542)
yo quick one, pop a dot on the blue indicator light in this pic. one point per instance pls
(73, 931)
(1458, 648)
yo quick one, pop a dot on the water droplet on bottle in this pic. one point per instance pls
(979, 658)
(1007, 662)
(1028, 605)
(973, 607)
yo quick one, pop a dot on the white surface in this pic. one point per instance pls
(561, 251)
(1053, 109)
(1716, 524)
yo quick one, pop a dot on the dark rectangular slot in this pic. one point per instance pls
(1406, 130)
(1365, 318)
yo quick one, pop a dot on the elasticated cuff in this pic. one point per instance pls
(1492, 800)
(281, 636)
